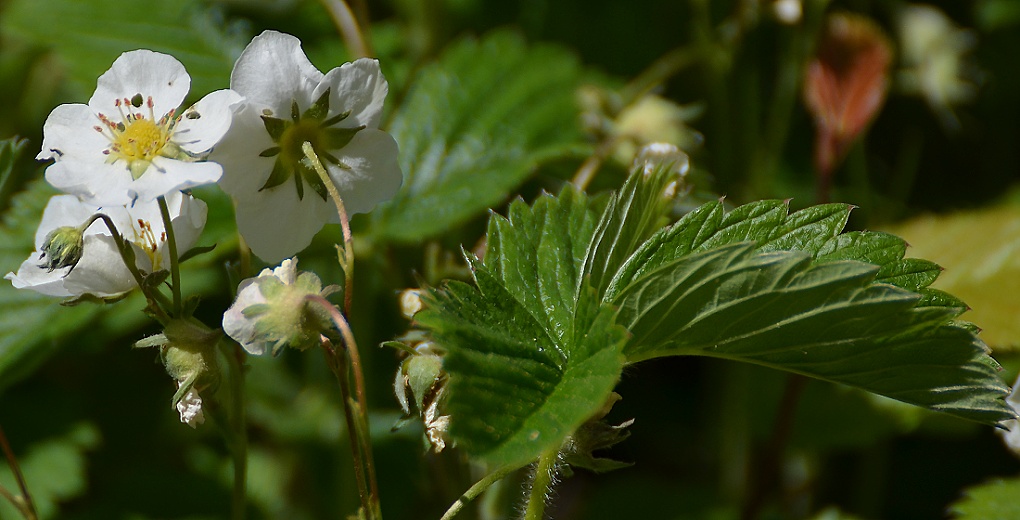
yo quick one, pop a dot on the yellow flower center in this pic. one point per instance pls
(137, 139)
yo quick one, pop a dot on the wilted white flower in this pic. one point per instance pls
(281, 202)
(190, 408)
(271, 310)
(100, 270)
(131, 141)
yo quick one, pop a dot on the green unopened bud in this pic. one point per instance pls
(63, 248)
(421, 381)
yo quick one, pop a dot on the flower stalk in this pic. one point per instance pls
(477, 489)
(175, 269)
(350, 31)
(156, 299)
(24, 501)
(239, 450)
(545, 477)
(355, 410)
(347, 260)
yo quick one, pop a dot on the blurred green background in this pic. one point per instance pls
(89, 418)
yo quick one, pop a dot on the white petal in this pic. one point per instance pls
(80, 178)
(69, 133)
(287, 271)
(100, 271)
(168, 175)
(143, 72)
(188, 216)
(31, 276)
(240, 327)
(272, 71)
(64, 210)
(244, 171)
(359, 87)
(205, 123)
(374, 175)
(276, 225)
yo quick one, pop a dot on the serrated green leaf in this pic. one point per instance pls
(825, 320)
(979, 251)
(476, 124)
(87, 36)
(766, 223)
(514, 391)
(992, 500)
(630, 217)
(537, 251)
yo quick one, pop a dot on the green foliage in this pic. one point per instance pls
(982, 267)
(54, 470)
(475, 125)
(29, 322)
(10, 150)
(997, 499)
(756, 284)
(87, 36)
(789, 292)
(526, 368)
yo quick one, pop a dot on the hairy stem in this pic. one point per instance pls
(347, 262)
(355, 411)
(545, 476)
(157, 301)
(23, 502)
(477, 489)
(239, 453)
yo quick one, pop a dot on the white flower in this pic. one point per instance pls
(280, 201)
(190, 408)
(1012, 435)
(934, 57)
(100, 270)
(131, 141)
(271, 310)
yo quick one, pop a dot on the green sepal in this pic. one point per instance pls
(195, 251)
(270, 152)
(92, 298)
(276, 127)
(313, 180)
(278, 176)
(335, 119)
(319, 108)
(337, 138)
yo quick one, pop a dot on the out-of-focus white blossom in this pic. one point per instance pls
(934, 60)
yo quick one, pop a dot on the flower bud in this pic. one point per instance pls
(410, 302)
(62, 248)
(188, 351)
(421, 380)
